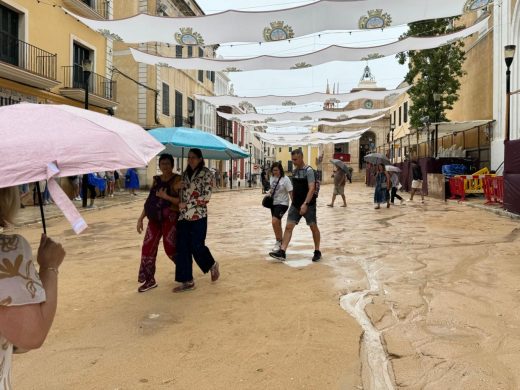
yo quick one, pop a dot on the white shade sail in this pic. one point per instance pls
(281, 24)
(310, 139)
(289, 116)
(323, 123)
(329, 54)
(274, 100)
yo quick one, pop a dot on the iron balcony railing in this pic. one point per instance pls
(28, 57)
(74, 77)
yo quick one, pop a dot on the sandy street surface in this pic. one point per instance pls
(414, 297)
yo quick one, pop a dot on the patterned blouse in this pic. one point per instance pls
(196, 195)
(19, 285)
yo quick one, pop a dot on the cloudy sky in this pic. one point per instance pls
(387, 72)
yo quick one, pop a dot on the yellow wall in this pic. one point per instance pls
(283, 154)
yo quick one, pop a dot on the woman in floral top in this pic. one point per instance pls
(193, 224)
(27, 299)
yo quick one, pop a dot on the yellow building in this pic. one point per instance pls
(42, 53)
(159, 96)
(283, 155)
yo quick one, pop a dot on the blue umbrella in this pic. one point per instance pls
(178, 140)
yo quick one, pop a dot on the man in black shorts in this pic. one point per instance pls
(303, 205)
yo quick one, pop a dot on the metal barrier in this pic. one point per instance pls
(494, 189)
(457, 188)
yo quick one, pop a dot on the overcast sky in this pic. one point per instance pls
(387, 72)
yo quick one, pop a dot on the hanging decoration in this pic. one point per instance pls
(281, 24)
(310, 138)
(329, 54)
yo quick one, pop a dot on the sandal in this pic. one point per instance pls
(215, 273)
(187, 286)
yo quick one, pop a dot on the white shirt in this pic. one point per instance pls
(281, 195)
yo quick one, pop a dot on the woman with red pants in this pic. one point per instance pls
(162, 210)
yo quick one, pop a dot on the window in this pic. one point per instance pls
(80, 53)
(208, 75)
(178, 109)
(165, 99)
(201, 76)
(190, 51)
(394, 118)
(191, 112)
(290, 149)
(201, 52)
(212, 76)
(178, 51)
(400, 115)
(9, 35)
(279, 150)
(289, 166)
(405, 112)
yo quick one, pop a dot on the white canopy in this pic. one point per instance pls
(314, 115)
(274, 100)
(445, 128)
(324, 122)
(329, 54)
(311, 138)
(281, 24)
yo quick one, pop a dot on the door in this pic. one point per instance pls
(9, 35)
(80, 53)
(178, 109)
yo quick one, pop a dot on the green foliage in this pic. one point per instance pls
(433, 71)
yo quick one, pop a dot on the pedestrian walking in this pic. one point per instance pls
(281, 192)
(382, 188)
(303, 205)
(417, 181)
(193, 224)
(132, 180)
(265, 182)
(28, 299)
(340, 180)
(162, 211)
(111, 181)
(394, 179)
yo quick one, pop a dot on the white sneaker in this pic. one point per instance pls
(277, 246)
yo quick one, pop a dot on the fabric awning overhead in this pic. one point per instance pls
(274, 100)
(348, 122)
(311, 138)
(445, 128)
(291, 115)
(329, 54)
(280, 24)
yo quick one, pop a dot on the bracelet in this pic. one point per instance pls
(55, 270)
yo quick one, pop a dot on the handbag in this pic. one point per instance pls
(268, 201)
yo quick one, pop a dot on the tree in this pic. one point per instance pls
(433, 71)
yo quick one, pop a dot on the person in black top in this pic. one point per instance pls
(417, 181)
(303, 205)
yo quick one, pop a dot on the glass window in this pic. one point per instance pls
(165, 99)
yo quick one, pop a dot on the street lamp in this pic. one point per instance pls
(509, 54)
(437, 100)
(392, 128)
(250, 162)
(86, 64)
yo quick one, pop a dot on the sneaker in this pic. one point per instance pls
(147, 286)
(277, 246)
(317, 256)
(215, 273)
(278, 255)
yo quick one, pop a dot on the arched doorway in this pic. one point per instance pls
(367, 144)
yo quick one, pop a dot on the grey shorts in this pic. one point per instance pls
(310, 216)
(339, 190)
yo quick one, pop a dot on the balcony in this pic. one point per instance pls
(26, 64)
(93, 9)
(102, 91)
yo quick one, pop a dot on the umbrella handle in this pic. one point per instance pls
(40, 201)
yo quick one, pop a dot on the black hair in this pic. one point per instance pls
(197, 152)
(166, 156)
(280, 168)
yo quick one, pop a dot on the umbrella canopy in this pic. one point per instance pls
(340, 164)
(392, 168)
(179, 139)
(75, 140)
(43, 141)
(377, 158)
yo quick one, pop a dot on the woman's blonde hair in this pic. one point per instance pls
(9, 204)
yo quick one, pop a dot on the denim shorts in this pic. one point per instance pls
(310, 216)
(278, 210)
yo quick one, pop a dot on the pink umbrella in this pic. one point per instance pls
(42, 141)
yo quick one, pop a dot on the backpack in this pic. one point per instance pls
(317, 181)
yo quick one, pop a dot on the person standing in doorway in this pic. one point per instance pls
(417, 181)
(303, 205)
(339, 186)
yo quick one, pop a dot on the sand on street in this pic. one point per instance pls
(438, 283)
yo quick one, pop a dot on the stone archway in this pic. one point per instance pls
(367, 144)
(515, 74)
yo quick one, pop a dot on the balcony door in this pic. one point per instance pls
(8, 35)
(81, 53)
(178, 109)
